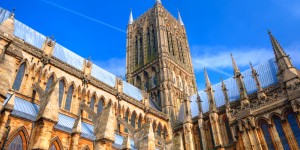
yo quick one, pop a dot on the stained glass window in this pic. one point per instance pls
(139, 122)
(49, 83)
(61, 91)
(92, 103)
(268, 139)
(280, 132)
(294, 126)
(133, 120)
(100, 106)
(19, 78)
(69, 98)
(16, 144)
(126, 119)
(52, 147)
(158, 131)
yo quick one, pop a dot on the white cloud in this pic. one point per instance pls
(117, 66)
(217, 58)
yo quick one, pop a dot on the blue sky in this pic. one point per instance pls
(215, 29)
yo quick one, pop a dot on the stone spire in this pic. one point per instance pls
(179, 19)
(235, 67)
(210, 93)
(199, 101)
(260, 92)
(224, 90)
(200, 121)
(282, 59)
(130, 21)
(158, 1)
(241, 85)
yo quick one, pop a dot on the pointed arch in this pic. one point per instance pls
(19, 77)
(18, 139)
(85, 148)
(50, 80)
(140, 120)
(56, 144)
(100, 104)
(126, 118)
(158, 130)
(92, 102)
(293, 124)
(61, 90)
(133, 119)
(69, 97)
(279, 128)
(263, 124)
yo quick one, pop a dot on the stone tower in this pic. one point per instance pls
(158, 58)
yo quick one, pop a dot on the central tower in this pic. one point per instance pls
(158, 58)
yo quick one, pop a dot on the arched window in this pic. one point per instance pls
(149, 44)
(133, 116)
(19, 77)
(61, 91)
(278, 125)
(52, 147)
(16, 144)
(92, 103)
(139, 122)
(126, 119)
(294, 126)
(100, 106)
(69, 98)
(158, 131)
(165, 133)
(265, 129)
(49, 83)
(154, 126)
(154, 40)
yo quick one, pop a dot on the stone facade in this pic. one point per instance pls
(46, 103)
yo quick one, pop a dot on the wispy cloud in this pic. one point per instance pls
(217, 58)
(117, 66)
(83, 16)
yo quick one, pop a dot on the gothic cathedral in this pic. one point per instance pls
(53, 99)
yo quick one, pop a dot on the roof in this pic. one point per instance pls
(267, 76)
(29, 110)
(37, 39)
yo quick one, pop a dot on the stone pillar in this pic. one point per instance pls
(4, 119)
(103, 145)
(41, 135)
(74, 141)
(188, 136)
(126, 143)
(276, 138)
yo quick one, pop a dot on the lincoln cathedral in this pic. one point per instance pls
(53, 99)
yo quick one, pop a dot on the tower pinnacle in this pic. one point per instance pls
(235, 67)
(130, 18)
(179, 19)
(158, 1)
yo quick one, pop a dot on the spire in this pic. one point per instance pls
(224, 90)
(210, 94)
(282, 59)
(278, 51)
(235, 67)
(158, 1)
(179, 19)
(207, 81)
(260, 92)
(130, 18)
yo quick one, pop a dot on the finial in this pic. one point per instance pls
(12, 14)
(179, 19)
(130, 18)
(206, 78)
(235, 67)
